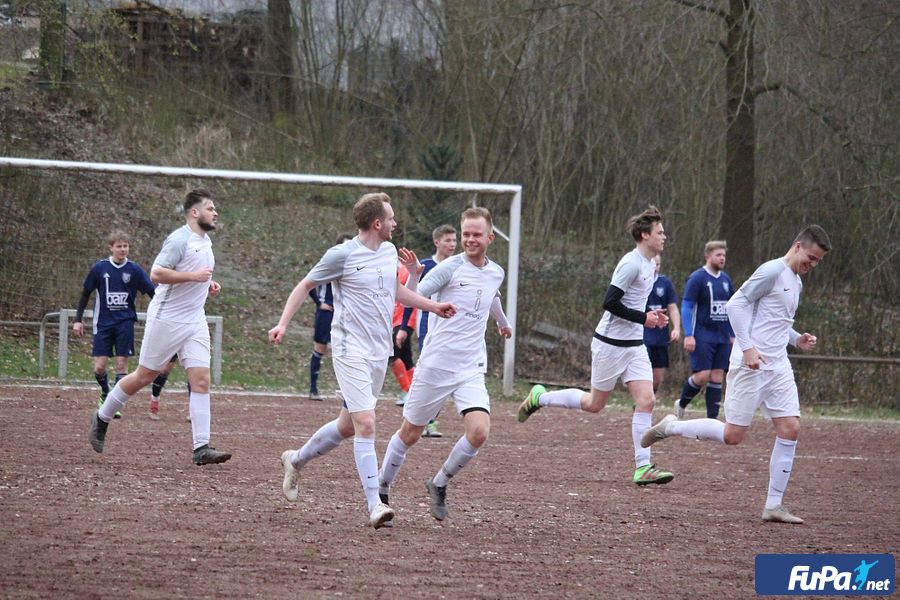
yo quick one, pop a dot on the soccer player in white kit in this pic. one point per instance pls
(176, 323)
(363, 276)
(760, 374)
(454, 360)
(617, 350)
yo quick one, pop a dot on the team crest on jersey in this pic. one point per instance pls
(726, 286)
(659, 290)
(126, 277)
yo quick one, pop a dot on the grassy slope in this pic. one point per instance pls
(271, 236)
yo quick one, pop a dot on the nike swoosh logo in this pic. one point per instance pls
(787, 289)
(393, 465)
(463, 284)
(360, 268)
(372, 476)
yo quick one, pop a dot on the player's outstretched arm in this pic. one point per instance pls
(298, 295)
(408, 298)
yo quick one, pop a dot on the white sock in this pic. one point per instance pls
(698, 429)
(115, 401)
(569, 398)
(326, 439)
(393, 459)
(640, 422)
(367, 467)
(780, 470)
(459, 457)
(200, 418)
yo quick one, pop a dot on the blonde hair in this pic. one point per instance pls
(713, 245)
(369, 208)
(478, 212)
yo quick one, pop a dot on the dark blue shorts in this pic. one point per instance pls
(114, 340)
(707, 356)
(322, 334)
(659, 356)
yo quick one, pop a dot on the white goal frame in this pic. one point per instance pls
(374, 183)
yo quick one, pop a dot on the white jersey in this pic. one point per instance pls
(183, 251)
(762, 313)
(364, 285)
(635, 275)
(457, 344)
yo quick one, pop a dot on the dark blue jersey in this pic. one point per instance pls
(322, 294)
(429, 263)
(661, 296)
(703, 306)
(117, 287)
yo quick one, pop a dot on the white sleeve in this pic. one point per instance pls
(331, 265)
(793, 336)
(763, 280)
(740, 314)
(173, 249)
(497, 312)
(438, 277)
(626, 271)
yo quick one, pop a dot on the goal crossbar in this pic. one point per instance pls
(514, 191)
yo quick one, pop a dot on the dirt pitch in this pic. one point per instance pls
(546, 510)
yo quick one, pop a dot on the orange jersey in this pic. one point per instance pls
(402, 276)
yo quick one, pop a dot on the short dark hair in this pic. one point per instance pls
(195, 197)
(442, 230)
(369, 208)
(813, 234)
(478, 212)
(643, 223)
(342, 237)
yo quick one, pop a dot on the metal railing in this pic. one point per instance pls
(67, 313)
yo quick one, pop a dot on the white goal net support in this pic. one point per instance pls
(514, 192)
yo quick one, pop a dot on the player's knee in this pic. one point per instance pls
(478, 436)
(409, 433)
(364, 425)
(733, 437)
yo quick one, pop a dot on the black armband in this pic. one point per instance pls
(613, 303)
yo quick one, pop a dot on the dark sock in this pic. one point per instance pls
(120, 376)
(315, 364)
(158, 384)
(713, 399)
(102, 381)
(688, 392)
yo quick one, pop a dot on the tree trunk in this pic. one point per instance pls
(52, 42)
(279, 52)
(738, 205)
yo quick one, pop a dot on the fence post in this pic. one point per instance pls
(63, 343)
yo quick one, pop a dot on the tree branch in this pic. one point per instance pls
(762, 88)
(706, 8)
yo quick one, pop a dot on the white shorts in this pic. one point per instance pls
(360, 380)
(430, 387)
(163, 339)
(609, 363)
(772, 391)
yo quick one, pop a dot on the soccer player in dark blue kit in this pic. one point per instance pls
(324, 298)
(117, 281)
(707, 333)
(657, 340)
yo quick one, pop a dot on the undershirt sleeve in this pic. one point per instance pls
(613, 303)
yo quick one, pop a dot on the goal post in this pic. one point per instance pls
(505, 190)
